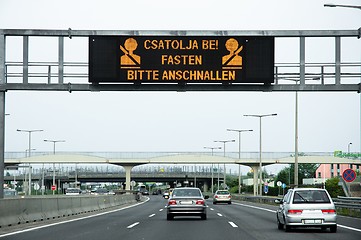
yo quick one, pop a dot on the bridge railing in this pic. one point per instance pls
(145, 155)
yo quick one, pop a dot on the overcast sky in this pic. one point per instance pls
(181, 121)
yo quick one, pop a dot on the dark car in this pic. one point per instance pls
(306, 207)
(187, 202)
(144, 191)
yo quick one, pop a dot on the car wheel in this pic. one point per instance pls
(170, 217)
(333, 229)
(204, 216)
(214, 203)
(229, 202)
(279, 225)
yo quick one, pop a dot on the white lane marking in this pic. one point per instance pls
(71, 220)
(219, 214)
(212, 209)
(269, 210)
(233, 224)
(264, 209)
(133, 225)
(160, 209)
(350, 228)
(151, 215)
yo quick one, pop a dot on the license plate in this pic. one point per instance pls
(313, 221)
(186, 202)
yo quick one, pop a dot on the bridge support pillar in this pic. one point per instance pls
(128, 169)
(205, 186)
(255, 180)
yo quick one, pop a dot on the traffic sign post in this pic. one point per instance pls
(279, 184)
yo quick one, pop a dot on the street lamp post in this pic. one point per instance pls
(338, 5)
(346, 6)
(29, 132)
(212, 148)
(54, 142)
(348, 147)
(224, 155)
(348, 152)
(260, 146)
(239, 155)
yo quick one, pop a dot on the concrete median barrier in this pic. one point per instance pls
(14, 211)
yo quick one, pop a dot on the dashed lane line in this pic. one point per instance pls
(133, 225)
(233, 224)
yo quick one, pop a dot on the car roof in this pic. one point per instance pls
(308, 189)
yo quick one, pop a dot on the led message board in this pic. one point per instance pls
(189, 59)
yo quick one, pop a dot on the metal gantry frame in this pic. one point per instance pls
(301, 75)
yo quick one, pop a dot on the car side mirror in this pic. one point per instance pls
(279, 201)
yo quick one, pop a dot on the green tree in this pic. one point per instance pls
(333, 188)
(305, 170)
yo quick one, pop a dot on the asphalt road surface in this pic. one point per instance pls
(147, 221)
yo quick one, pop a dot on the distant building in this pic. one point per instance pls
(326, 171)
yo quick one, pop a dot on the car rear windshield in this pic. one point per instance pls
(223, 192)
(186, 193)
(311, 196)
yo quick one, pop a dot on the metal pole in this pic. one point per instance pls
(54, 142)
(296, 141)
(260, 156)
(29, 163)
(2, 142)
(239, 165)
(224, 166)
(2, 114)
(260, 147)
(239, 155)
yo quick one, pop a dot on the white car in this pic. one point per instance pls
(306, 207)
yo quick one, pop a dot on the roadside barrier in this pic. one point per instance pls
(15, 211)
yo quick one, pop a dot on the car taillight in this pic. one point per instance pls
(229, 196)
(294, 211)
(172, 202)
(200, 202)
(216, 196)
(328, 211)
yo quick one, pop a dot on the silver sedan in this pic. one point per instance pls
(307, 207)
(187, 202)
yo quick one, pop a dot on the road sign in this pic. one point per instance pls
(284, 185)
(279, 183)
(36, 186)
(170, 59)
(53, 187)
(349, 175)
(265, 189)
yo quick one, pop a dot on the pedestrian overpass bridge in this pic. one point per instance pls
(130, 160)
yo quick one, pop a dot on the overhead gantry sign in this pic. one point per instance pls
(161, 59)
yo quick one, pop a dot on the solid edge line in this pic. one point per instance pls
(72, 220)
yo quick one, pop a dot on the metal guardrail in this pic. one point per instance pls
(340, 202)
(348, 202)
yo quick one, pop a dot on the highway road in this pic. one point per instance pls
(147, 221)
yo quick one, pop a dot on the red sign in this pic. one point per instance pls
(53, 188)
(349, 175)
